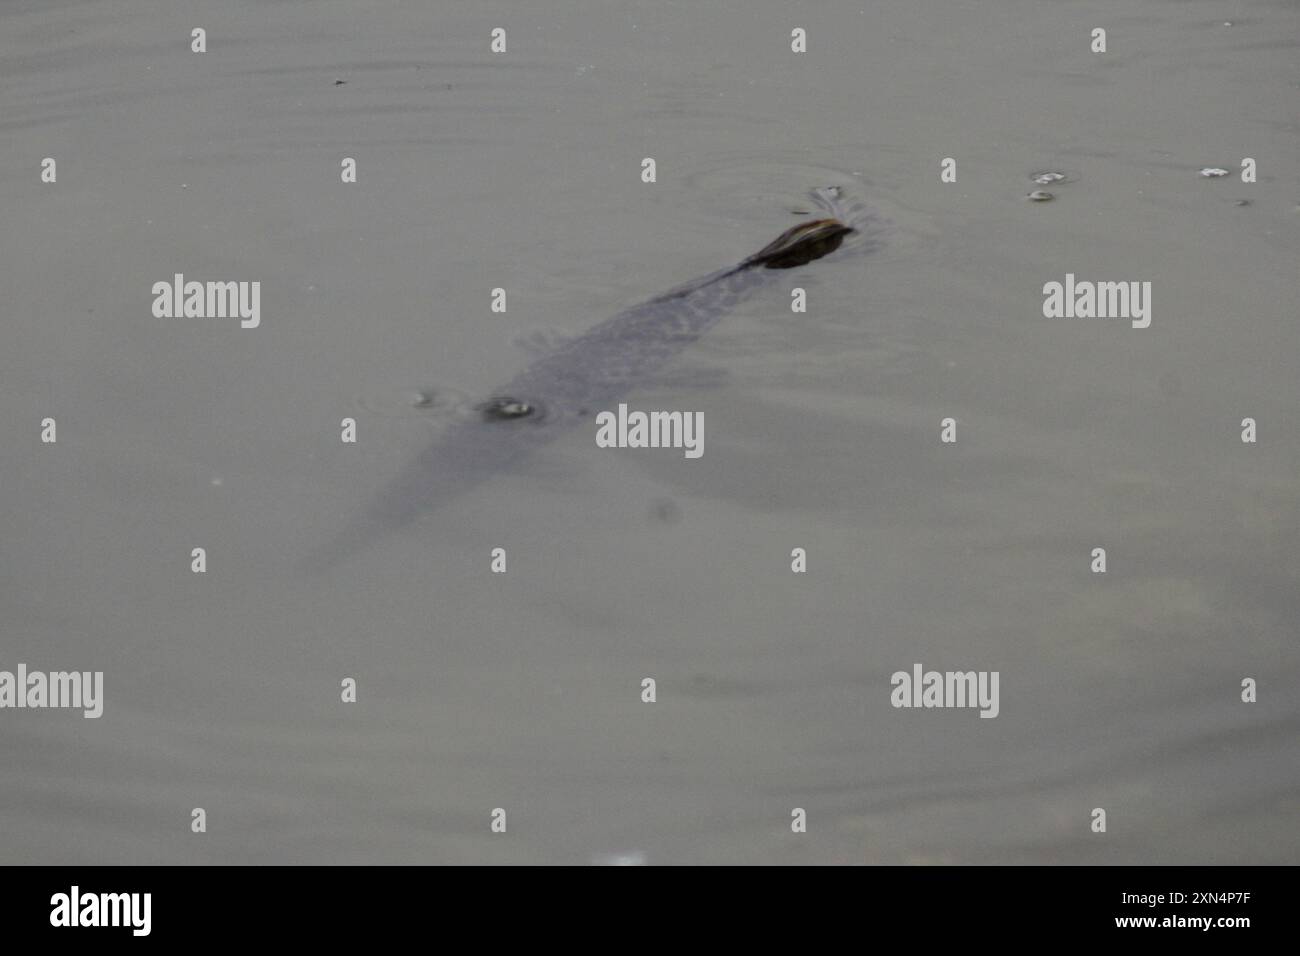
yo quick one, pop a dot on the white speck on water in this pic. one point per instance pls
(1213, 172)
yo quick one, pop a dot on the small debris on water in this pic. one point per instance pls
(1047, 178)
(665, 511)
(339, 82)
(1242, 202)
(1213, 172)
(1040, 195)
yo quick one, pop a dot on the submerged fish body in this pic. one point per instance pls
(582, 377)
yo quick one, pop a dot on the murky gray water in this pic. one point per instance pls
(479, 690)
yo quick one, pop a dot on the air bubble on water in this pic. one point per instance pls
(412, 401)
(504, 408)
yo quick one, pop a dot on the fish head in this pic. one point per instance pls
(801, 244)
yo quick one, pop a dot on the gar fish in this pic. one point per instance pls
(585, 375)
